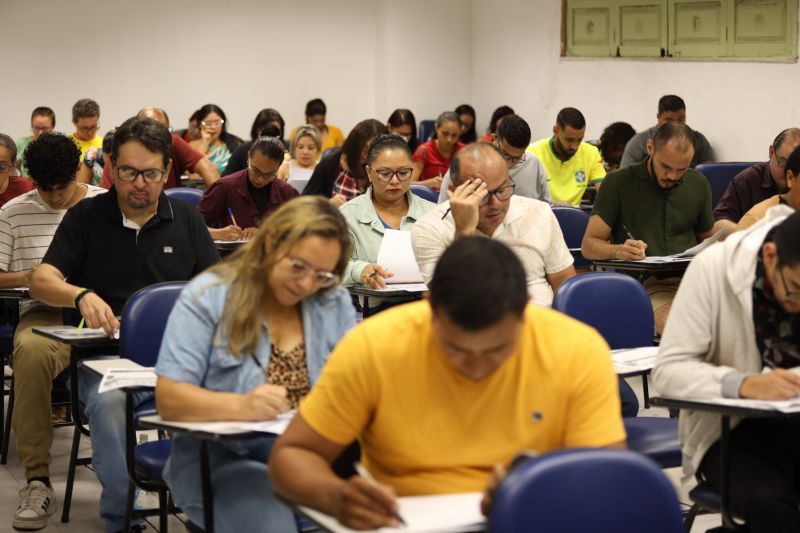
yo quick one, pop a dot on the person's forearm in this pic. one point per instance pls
(595, 249)
(188, 402)
(208, 171)
(48, 288)
(304, 477)
(9, 280)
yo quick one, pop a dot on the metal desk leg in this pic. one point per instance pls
(205, 475)
(724, 474)
(365, 307)
(645, 391)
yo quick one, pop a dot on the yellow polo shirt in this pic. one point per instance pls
(96, 142)
(568, 179)
(425, 428)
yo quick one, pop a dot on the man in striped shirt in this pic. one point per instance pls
(27, 225)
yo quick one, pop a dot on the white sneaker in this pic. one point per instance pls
(37, 503)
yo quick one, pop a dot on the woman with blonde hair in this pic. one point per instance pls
(306, 149)
(246, 341)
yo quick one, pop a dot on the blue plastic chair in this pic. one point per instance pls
(192, 196)
(142, 325)
(719, 175)
(425, 192)
(573, 222)
(425, 130)
(579, 490)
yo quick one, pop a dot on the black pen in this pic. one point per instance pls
(631, 237)
(446, 213)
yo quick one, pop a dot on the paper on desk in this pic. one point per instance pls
(408, 287)
(397, 256)
(118, 378)
(439, 513)
(787, 406)
(71, 332)
(634, 359)
(275, 427)
(694, 250)
(240, 241)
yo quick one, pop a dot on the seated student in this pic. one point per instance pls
(94, 162)
(215, 142)
(498, 115)
(10, 186)
(670, 107)
(482, 203)
(466, 113)
(790, 198)
(239, 202)
(85, 118)
(263, 323)
(192, 131)
(27, 225)
(612, 143)
(341, 175)
(268, 123)
(432, 158)
(734, 332)
(402, 122)
(441, 393)
(658, 207)
(387, 204)
(332, 137)
(571, 164)
(43, 120)
(759, 182)
(305, 153)
(105, 249)
(512, 138)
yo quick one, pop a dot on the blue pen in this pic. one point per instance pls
(230, 214)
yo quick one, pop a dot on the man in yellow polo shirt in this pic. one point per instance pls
(571, 164)
(442, 391)
(86, 117)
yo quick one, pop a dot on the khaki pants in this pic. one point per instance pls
(37, 361)
(661, 291)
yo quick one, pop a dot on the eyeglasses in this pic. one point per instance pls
(5, 167)
(386, 174)
(323, 278)
(502, 193)
(790, 295)
(212, 123)
(88, 129)
(150, 175)
(261, 174)
(43, 129)
(514, 160)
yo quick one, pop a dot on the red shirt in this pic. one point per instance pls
(184, 158)
(435, 163)
(16, 186)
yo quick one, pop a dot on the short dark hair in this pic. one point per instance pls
(403, 117)
(316, 107)
(206, 110)
(148, 132)
(783, 136)
(108, 140)
(474, 150)
(8, 143)
(470, 136)
(263, 118)
(616, 135)
(672, 130)
(360, 136)
(501, 112)
(670, 103)
(515, 131)
(52, 160)
(793, 163)
(85, 107)
(448, 116)
(569, 116)
(388, 141)
(272, 147)
(787, 241)
(43, 111)
(477, 282)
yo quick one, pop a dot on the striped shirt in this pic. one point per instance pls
(27, 225)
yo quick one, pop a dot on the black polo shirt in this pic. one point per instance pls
(93, 249)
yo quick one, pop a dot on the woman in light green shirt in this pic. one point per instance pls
(387, 204)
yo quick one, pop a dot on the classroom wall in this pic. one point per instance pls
(739, 106)
(363, 57)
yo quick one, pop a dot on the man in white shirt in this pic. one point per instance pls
(27, 225)
(482, 203)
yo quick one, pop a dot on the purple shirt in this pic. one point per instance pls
(231, 192)
(747, 188)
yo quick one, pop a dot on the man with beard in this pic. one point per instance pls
(570, 163)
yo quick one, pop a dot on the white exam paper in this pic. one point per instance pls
(118, 378)
(397, 256)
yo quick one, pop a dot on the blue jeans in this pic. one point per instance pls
(106, 414)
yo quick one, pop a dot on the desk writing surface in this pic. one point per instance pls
(228, 245)
(15, 293)
(677, 264)
(631, 361)
(77, 337)
(734, 406)
(400, 289)
(223, 428)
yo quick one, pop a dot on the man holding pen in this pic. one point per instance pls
(656, 207)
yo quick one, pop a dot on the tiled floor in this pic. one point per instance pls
(84, 517)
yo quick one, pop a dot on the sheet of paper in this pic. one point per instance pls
(230, 242)
(433, 514)
(694, 250)
(408, 287)
(397, 256)
(71, 332)
(787, 406)
(118, 378)
(275, 427)
(634, 359)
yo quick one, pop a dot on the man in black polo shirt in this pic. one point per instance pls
(656, 207)
(107, 248)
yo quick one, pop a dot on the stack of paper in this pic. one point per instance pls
(632, 360)
(397, 257)
(120, 378)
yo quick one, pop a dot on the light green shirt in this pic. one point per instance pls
(366, 230)
(22, 143)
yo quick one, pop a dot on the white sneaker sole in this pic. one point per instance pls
(28, 524)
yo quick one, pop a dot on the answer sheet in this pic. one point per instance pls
(397, 256)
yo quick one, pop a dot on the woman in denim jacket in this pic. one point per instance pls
(246, 341)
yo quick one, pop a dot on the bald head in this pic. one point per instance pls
(483, 157)
(156, 113)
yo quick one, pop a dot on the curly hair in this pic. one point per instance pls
(52, 159)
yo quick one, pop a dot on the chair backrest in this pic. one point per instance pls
(426, 130)
(719, 175)
(579, 490)
(425, 192)
(573, 222)
(614, 304)
(144, 319)
(186, 194)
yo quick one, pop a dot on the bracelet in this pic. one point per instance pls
(81, 293)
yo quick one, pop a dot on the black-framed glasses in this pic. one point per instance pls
(88, 129)
(512, 160)
(502, 193)
(5, 167)
(386, 174)
(790, 295)
(257, 173)
(150, 175)
(301, 269)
